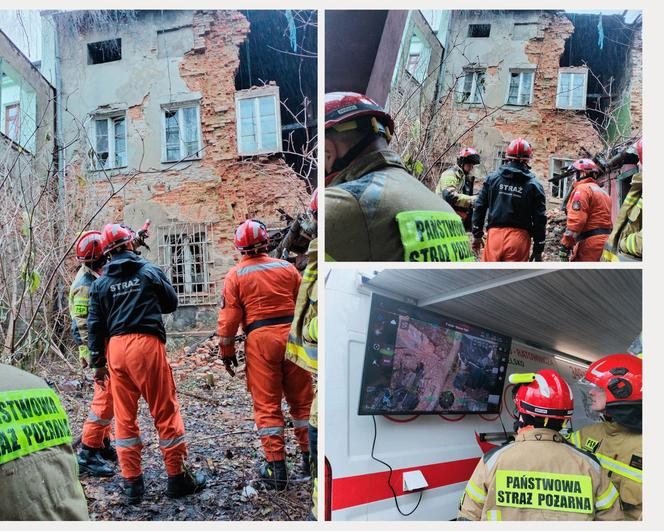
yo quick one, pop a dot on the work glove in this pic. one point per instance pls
(229, 363)
(101, 375)
(538, 249)
(564, 253)
(477, 244)
(567, 241)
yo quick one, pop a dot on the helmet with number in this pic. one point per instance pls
(586, 167)
(313, 204)
(90, 247)
(620, 376)
(116, 235)
(468, 155)
(519, 149)
(543, 394)
(344, 109)
(251, 237)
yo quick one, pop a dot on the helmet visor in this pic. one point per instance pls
(593, 399)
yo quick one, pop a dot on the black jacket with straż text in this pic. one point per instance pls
(513, 197)
(128, 299)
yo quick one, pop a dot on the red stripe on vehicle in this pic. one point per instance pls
(368, 488)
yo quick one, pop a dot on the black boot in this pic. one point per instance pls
(274, 474)
(186, 483)
(108, 451)
(306, 464)
(134, 490)
(91, 463)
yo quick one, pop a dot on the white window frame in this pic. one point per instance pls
(179, 108)
(473, 88)
(564, 101)
(563, 184)
(110, 120)
(520, 71)
(255, 94)
(420, 72)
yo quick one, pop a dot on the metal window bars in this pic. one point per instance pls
(185, 256)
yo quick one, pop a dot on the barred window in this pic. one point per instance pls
(185, 256)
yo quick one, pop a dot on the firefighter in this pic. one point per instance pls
(539, 476)
(376, 210)
(126, 332)
(516, 206)
(625, 243)
(260, 293)
(96, 445)
(302, 346)
(588, 216)
(615, 389)
(456, 185)
(38, 473)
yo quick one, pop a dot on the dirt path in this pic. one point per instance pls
(221, 438)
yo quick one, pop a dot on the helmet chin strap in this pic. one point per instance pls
(342, 162)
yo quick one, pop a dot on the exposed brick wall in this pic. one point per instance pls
(636, 87)
(551, 131)
(222, 188)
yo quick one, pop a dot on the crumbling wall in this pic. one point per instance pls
(636, 86)
(221, 188)
(552, 132)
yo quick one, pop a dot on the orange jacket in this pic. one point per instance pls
(588, 208)
(257, 288)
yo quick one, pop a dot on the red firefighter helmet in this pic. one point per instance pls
(468, 155)
(543, 394)
(639, 149)
(586, 166)
(313, 205)
(251, 237)
(341, 107)
(519, 149)
(620, 376)
(90, 247)
(115, 235)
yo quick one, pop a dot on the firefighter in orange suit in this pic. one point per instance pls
(588, 216)
(260, 294)
(127, 332)
(539, 476)
(96, 445)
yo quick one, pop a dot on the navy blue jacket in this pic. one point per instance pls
(128, 298)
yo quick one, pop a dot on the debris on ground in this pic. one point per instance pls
(221, 438)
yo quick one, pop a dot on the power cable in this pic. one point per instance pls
(389, 477)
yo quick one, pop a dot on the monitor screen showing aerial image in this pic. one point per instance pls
(421, 362)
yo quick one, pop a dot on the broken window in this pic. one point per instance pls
(419, 54)
(184, 255)
(559, 188)
(104, 51)
(479, 30)
(258, 121)
(181, 137)
(521, 87)
(572, 83)
(499, 158)
(18, 108)
(110, 142)
(472, 87)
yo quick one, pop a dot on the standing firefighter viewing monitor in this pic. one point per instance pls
(421, 362)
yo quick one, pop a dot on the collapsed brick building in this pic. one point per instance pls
(159, 119)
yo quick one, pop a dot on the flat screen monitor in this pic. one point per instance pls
(420, 362)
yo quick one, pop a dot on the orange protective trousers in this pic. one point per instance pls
(590, 249)
(97, 426)
(506, 244)
(269, 377)
(139, 368)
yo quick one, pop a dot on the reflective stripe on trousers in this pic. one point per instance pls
(169, 443)
(271, 430)
(128, 443)
(301, 423)
(98, 420)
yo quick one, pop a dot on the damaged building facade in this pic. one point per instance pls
(563, 81)
(155, 123)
